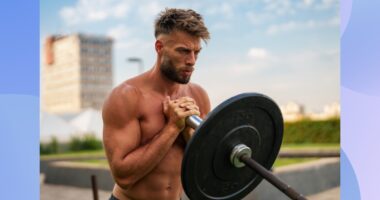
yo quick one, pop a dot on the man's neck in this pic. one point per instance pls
(162, 84)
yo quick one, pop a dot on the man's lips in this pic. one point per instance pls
(187, 72)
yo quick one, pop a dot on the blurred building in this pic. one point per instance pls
(329, 111)
(292, 112)
(76, 72)
(332, 110)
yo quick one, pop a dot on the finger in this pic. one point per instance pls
(192, 107)
(184, 105)
(189, 99)
(179, 111)
(186, 99)
(177, 101)
(188, 105)
(189, 113)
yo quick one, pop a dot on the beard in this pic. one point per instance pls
(170, 72)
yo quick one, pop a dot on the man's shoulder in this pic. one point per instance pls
(125, 91)
(124, 98)
(201, 97)
(197, 89)
(198, 92)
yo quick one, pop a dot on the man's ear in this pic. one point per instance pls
(158, 46)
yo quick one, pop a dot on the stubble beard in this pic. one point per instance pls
(169, 71)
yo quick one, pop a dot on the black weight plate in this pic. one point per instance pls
(251, 119)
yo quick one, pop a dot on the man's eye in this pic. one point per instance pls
(184, 51)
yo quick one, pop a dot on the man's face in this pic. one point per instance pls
(179, 56)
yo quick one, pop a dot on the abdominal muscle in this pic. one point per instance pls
(163, 182)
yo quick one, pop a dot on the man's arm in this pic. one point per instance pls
(129, 162)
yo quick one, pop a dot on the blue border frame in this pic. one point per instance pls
(19, 98)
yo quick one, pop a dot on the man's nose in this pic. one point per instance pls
(191, 58)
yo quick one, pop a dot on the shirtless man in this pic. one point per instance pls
(144, 118)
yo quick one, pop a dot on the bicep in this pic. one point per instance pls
(120, 141)
(121, 132)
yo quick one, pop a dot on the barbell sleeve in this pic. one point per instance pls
(267, 175)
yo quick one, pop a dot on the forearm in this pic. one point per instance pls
(187, 134)
(144, 159)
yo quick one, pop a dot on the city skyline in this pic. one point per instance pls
(288, 50)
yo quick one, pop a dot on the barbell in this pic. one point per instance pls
(233, 149)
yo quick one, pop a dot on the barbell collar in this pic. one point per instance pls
(237, 152)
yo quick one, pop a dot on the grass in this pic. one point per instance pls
(289, 161)
(313, 146)
(73, 154)
(279, 162)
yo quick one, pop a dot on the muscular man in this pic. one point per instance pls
(144, 129)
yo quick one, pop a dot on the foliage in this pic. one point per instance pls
(87, 142)
(308, 131)
(50, 148)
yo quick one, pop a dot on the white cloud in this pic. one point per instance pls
(258, 53)
(85, 11)
(119, 32)
(220, 26)
(318, 5)
(308, 2)
(258, 18)
(224, 9)
(302, 25)
(258, 60)
(121, 10)
(327, 4)
(284, 27)
(334, 22)
(148, 11)
(280, 7)
(134, 45)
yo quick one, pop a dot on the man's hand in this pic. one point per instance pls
(177, 110)
(188, 132)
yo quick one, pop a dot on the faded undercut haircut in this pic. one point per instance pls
(189, 21)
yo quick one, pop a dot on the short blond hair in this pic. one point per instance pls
(189, 21)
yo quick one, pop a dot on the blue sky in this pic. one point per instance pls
(288, 50)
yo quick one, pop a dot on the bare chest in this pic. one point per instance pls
(152, 119)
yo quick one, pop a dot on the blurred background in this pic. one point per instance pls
(288, 50)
